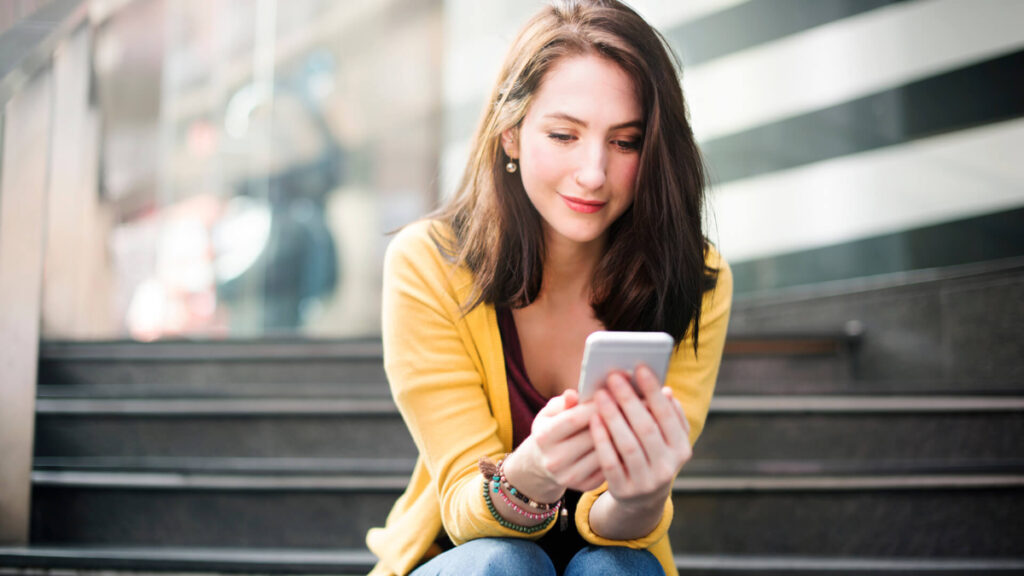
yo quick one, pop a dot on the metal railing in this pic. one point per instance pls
(28, 51)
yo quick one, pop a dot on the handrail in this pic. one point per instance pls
(27, 46)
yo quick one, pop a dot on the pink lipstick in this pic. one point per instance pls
(581, 205)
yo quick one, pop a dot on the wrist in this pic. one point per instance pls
(639, 505)
(522, 469)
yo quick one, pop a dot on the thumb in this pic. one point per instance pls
(572, 398)
(554, 406)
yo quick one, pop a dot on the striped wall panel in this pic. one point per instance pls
(844, 137)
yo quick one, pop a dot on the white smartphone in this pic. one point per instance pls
(607, 352)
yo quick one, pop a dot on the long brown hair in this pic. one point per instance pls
(653, 273)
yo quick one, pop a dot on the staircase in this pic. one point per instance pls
(887, 445)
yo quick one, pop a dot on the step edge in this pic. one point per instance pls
(375, 466)
(360, 559)
(398, 482)
(724, 404)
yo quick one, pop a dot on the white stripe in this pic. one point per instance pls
(847, 59)
(938, 179)
(664, 14)
(480, 35)
(454, 157)
(483, 31)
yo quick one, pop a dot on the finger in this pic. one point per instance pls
(669, 422)
(660, 406)
(607, 455)
(621, 433)
(571, 398)
(647, 382)
(553, 406)
(595, 480)
(678, 407)
(560, 426)
(641, 422)
(568, 453)
(584, 467)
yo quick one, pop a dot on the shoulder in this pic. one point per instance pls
(418, 239)
(718, 300)
(414, 255)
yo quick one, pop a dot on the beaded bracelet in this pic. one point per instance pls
(501, 519)
(496, 472)
(528, 514)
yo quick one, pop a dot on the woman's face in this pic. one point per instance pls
(579, 147)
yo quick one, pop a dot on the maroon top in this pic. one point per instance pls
(525, 401)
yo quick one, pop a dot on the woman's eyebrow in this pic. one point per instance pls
(575, 120)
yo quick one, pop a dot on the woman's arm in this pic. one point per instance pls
(437, 377)
(558, 454)
(602, 514)
(642, 443)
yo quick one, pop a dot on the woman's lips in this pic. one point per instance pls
(581, 205)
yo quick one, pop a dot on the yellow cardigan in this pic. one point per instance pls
(447, 375)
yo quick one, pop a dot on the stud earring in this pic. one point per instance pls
(511, 167)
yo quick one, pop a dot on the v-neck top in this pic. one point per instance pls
(525, 402)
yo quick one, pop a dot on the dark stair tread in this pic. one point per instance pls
(354, 390)
(733, 403)
(291, 560)
(784, 342)
(375, 466)
(686, 483)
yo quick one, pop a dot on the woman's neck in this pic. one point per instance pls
(569, 269)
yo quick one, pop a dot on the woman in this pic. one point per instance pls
(580, 210)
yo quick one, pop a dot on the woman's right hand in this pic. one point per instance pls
(559, 453)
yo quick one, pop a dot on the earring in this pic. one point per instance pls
(511, 167)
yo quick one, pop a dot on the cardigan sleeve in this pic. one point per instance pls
(437, 380)
(692, 379)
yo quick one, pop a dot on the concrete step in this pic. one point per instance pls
(196, 366)
(112, 560)
(332, 368)
(920, 515)
(949, 431)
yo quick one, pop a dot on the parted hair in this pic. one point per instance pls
(653, 273)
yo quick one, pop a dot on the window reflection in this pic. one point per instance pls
(253, 156)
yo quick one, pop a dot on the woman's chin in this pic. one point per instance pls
(581, 235)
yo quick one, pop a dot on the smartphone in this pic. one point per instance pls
(608, 352)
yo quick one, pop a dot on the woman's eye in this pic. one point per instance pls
(558, 137)
(628, 144)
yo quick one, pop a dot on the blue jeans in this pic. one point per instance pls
(515, 557)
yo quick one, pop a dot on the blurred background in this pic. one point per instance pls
(238, 164)
(196, 196)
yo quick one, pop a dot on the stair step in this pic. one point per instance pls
(686, 483)
(191, 365)
(967, 515)
(949, 430)
(404, 466)
(722, 404)
(359, 561)
(251, 560)
(189, 465)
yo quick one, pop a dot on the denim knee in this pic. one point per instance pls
(490, 557)
(613, 561)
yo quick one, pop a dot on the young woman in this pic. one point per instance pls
(580, 210)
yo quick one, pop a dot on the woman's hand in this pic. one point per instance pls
(559, 453)
(641, 443)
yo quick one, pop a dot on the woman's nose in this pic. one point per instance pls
(590, 175)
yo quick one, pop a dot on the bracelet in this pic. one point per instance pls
(496, 473)
(501, 519)
(530, 515)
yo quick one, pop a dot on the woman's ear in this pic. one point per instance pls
(510, 142)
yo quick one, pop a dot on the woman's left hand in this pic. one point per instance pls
(642, 443)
